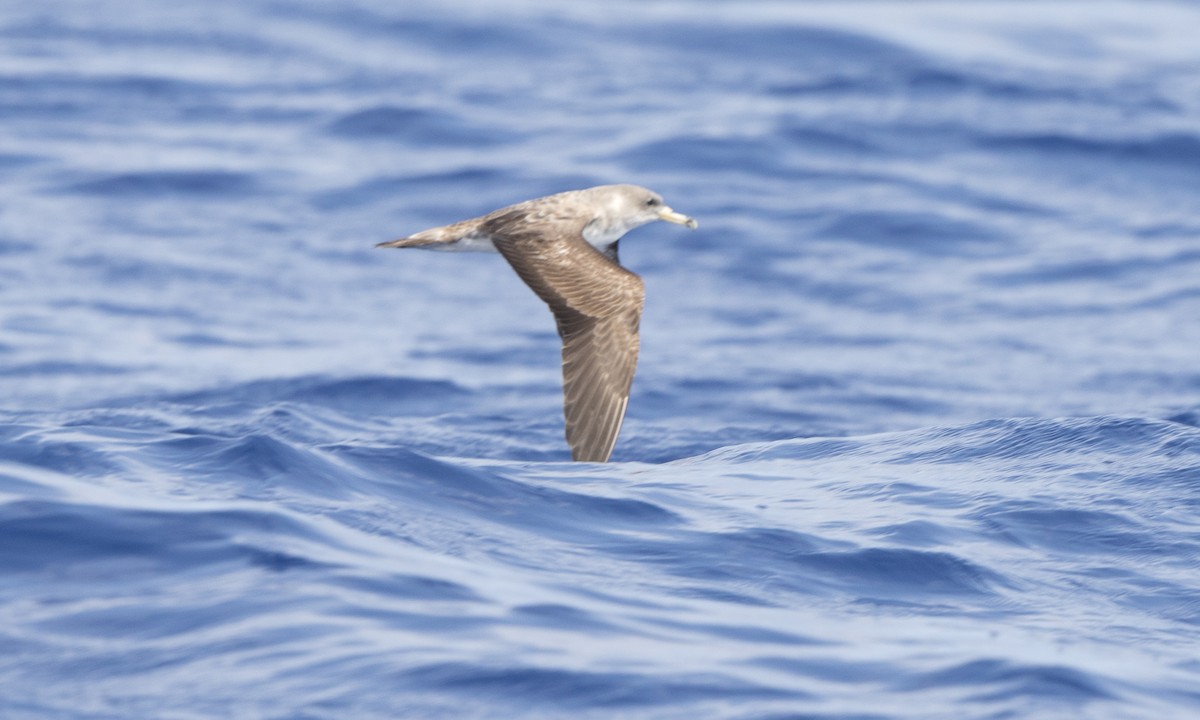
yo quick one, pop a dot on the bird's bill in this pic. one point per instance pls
(678, 218)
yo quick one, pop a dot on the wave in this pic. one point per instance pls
(124, 521)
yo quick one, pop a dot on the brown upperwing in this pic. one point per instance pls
(597, 304)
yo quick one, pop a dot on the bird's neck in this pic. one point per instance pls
(601, 233)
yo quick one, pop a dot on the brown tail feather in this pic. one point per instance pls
(438, 238)
(415, 241)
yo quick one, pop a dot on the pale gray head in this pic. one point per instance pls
(621, 208)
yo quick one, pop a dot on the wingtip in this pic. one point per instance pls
(596, 444)
(590, 457)
(590, 452)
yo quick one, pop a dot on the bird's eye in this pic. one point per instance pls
(651, 202)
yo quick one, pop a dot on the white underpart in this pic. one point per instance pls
(601, 236)
(475, 242)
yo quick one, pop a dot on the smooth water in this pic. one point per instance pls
(915, 428)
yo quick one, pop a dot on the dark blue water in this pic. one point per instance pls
(915, 429)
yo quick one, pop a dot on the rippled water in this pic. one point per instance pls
(915, 429)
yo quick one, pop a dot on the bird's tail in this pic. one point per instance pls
(411, 241)
(462, 236)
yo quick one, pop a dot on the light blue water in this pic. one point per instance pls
(915, 428)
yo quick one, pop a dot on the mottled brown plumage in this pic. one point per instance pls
(565, 249)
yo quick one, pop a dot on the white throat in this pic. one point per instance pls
(601, 233)
(600, 236)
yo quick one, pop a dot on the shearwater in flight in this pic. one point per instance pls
(564, 247)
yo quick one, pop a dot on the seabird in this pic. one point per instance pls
(564, 247)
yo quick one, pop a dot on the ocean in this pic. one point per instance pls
(915, 432)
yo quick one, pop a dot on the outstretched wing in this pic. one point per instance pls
(597, 305)
(599, 359)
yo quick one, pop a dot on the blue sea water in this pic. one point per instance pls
(916, 427)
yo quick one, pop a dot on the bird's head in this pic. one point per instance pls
(646, 206)
(623, 208)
